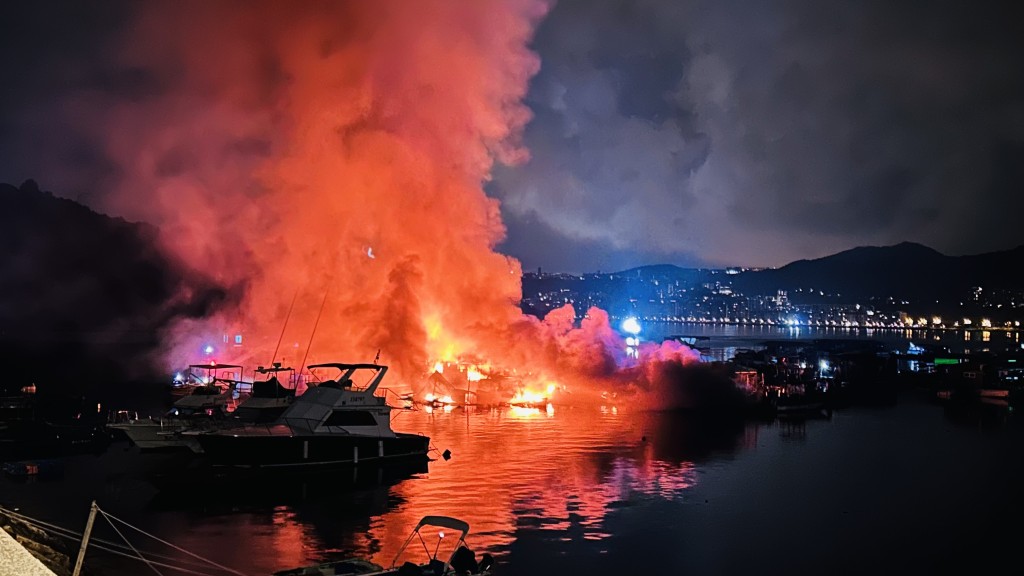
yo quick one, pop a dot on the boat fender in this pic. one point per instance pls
(447, 454)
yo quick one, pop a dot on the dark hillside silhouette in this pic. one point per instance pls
(83, 296)
(906, 271)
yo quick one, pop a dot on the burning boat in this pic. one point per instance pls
(338, 422)
(466, 383)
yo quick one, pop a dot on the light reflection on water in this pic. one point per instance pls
(724, 339)
(556, 470)
(591, 491)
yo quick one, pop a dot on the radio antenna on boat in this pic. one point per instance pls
(281, 337)
(313, 333)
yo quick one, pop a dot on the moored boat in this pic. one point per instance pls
(460, 560)
(207, 405)
(202, 375)
(39, 468)
(337, 422)
(802, 408)
(26, 433)
(270, 397)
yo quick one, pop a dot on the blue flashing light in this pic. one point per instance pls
(631, 325)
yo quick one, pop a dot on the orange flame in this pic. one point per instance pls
(324, 162)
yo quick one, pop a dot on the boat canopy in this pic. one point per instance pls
(445, 522)
(271, 388)
(343, 366)
(273, 369)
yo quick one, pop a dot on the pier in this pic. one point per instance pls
(16, 560)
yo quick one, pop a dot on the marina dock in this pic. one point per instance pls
(16, 560)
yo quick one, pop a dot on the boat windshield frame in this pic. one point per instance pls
(292, 381)
(347, 371)
(448, 522)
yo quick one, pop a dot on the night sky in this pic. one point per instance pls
(692, 132)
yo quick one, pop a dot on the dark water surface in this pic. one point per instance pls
(907, 488)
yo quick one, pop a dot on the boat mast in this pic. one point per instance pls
(281, 337)
(313, 333)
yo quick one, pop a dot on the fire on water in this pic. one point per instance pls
(456, 383)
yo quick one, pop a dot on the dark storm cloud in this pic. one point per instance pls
(759, 133)
(527, 235)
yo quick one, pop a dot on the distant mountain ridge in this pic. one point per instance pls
(907, 270)
(663, 272)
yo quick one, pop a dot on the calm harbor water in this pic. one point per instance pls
(723, 340)
(902, 488)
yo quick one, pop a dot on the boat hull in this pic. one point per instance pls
(156, 436)
(254, 451)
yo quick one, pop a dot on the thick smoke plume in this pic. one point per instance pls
(326, 160)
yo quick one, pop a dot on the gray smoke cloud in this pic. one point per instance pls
(696, 132)
(720, 132)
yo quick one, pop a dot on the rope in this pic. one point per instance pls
(178, 548)
(119, 549)
(35, 522)
(137, 553)
(161, 564)
(107, 545)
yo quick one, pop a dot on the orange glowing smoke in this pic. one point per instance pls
(325, 162)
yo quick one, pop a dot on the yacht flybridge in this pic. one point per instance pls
(340, 421)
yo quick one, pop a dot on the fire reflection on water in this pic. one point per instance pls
(516, 475)
(285, 533)
(557, 472)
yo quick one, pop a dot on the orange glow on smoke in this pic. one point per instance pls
(325, 162)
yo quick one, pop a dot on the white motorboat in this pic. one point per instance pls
(341, 421)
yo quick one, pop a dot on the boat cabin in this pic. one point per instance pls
(345, 404)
